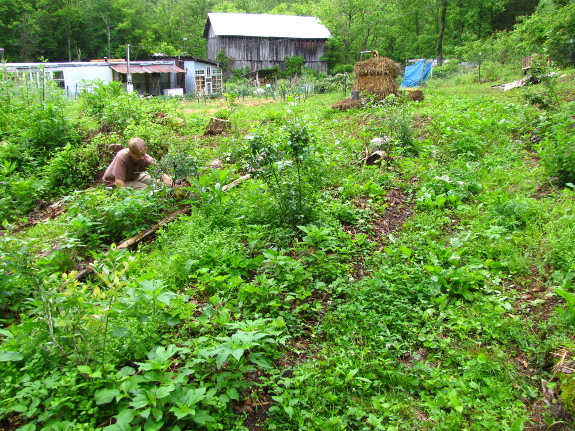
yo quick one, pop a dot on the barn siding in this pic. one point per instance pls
(260, 53)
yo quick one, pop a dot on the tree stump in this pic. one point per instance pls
(217, 126)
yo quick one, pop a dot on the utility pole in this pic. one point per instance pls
(185, 51)
(2, 54)
(129, 86)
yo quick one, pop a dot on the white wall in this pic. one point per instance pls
(190, 67)
(74, 75)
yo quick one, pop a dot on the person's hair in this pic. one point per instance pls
(137, 145)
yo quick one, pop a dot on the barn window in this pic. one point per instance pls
(200, 82)
(58, 77)
(217, 81)
(217, 84)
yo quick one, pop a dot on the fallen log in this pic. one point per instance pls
(236, 182)
(137, 238)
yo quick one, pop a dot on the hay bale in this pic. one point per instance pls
(376, 76)
(376, 85)
(349, 103)
(415, 94)
(381, 66)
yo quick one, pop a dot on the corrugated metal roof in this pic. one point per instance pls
(266, 25)
(156, 68)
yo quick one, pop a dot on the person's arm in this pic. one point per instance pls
(167, 180)
(120, 183)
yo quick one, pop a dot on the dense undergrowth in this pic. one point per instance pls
(429, 292)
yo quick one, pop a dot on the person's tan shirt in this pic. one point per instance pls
(125, 168)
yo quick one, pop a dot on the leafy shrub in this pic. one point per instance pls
(448, 69)
(18, 277)
(17, 194)
(400, 125)
(21, 156)
(99, 215)
(287, 165)
(556, 149)
(112, 106)
(342, 68)
(469, 146)
(48, 129)
(560, 237)
(73, 168)
(224, 114)
(517, 213)
(341, 81)
(162, 395)
(293, 66)
(443, 191)
(242, 89)
(179, 163)
(543, 96)
(157, 137)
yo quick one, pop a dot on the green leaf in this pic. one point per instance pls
(517, 425)
(123, 420)
(164, 391)
(84, 369)
(238, 353)
(20, 408)
(119, 332)
(202, 417)
(105, 396)
(221, 358)
(151, 425)
(128, 371)
(140, 401)
(10, 356)
(125, 417)
(6, 333)
(568, 296)
(194, 396)
(182, 411)
(158, 414)
(233, 394)
(260, 361)
(454, 401)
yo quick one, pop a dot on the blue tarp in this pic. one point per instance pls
(416, 74)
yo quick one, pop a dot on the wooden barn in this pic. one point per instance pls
(261, 41)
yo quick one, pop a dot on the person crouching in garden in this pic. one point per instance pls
(128, 169)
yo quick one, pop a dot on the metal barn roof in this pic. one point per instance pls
(266, 25)
(165, 68)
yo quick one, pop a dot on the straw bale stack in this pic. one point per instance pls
(376, 76)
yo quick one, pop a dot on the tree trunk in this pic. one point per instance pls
(68, 41)
(441, 32)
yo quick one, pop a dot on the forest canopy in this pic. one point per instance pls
(64, 30)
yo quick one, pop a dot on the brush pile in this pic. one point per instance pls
(415, 94)
(349, 103)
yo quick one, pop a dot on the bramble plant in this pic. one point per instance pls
(289, 167)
